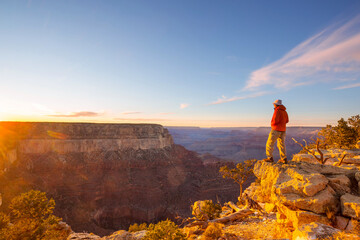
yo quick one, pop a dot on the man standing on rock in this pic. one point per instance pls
(278, 132)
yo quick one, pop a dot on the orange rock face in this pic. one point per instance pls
(105, 177)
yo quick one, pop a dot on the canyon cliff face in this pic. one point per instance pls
(104, 177)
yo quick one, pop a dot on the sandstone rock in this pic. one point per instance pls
(340, 183)
(358, 145)
(299, 185)
(252, 190)
(336, 152)
(314, 231)
(299, 218)
(138, 235)
(119, 235)
(270, 207)
(318, 204)
(310, 159)
(341, 222)
(353, 160)
(352, 226)
(350, 206)
(64, 227)
(357, 176)
(125, 235)
(303, 157)
(333, 155)
(83, 236)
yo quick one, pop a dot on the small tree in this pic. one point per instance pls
(344, 135)
(206, 210)
(239, 174)
(354, 122)
(32, 219)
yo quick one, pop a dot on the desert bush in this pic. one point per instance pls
(164, 230)
(206, 210)
(344, 135)
(31, 219)
(136, 227)
(239, 174)
(213, 231)
(4, 220)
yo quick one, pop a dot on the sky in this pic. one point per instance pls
(199, 63)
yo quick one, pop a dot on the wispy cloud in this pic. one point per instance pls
(184, 105)
(77, 114)
(348, 86)
(142, 119)
(224, 99)
(332, 54)
(128, 113)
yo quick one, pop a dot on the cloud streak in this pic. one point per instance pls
(224, 99)
(348, 86)
(128, 113)
(77, 114)
(331, 54)
(142, 119)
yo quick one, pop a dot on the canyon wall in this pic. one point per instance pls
(41, 138)
(104, 177)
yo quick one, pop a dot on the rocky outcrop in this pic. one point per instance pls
(309, 196)
(352, 157)
(314, 231)
(350, 206)
(304, 186)
(118, 235)
(105, 177)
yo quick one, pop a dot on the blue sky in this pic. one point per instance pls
(179, 63)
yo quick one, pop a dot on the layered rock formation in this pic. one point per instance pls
(104, 177)
(305, 193)
(333, 156)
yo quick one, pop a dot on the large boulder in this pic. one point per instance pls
(304, 186)
(340, 183)
(297, 218)
(314, 231)
(125, 235)
(341, 222)
(350, 206)
(83, 236)
(352, 157)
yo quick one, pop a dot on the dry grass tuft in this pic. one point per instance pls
(213, 231)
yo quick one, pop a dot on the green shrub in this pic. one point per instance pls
(164, 230)
(213, 231)
(31, 219)
(136, 227)
(4, 220)
(344, 135)
(32, 205)
(206, 210)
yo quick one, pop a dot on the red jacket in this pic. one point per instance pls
(280, 119)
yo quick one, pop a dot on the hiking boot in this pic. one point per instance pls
(283, 161)
(269, 159)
